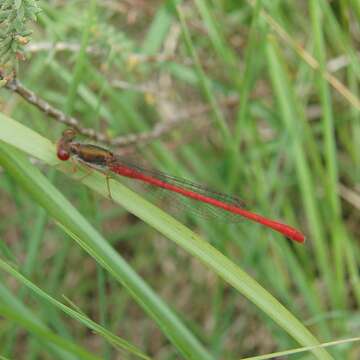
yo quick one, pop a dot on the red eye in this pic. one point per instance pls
(63, 154)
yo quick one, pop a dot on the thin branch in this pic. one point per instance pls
(134, 58)
(159, 129)
(163, 128)
(124, 85)
(15, 86)
(58, 46)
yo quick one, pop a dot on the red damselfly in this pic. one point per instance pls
(99, 158)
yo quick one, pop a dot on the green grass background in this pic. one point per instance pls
(148, 286)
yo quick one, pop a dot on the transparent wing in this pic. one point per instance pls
(175, 201)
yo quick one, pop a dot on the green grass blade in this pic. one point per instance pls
(28, 317)
(44, 333)
(303, 349)
(207, 90)
(290, 118)
(330, 154)
(59, 208)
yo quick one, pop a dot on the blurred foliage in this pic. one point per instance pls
(14, 32)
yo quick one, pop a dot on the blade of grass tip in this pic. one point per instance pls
(42, 191)
(204, 83)
(290, 117)
(58, 207)
(116, 341)
(71, 303)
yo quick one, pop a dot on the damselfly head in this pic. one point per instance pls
(64, 144)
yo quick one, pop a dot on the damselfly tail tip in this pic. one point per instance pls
(298, 237)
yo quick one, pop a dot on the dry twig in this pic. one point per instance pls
(159, 129)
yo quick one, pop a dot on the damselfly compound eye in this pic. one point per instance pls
(63, 155)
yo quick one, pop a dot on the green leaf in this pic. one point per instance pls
(17, 135)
